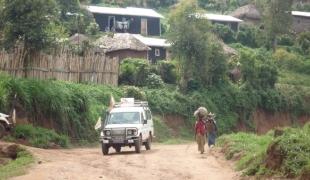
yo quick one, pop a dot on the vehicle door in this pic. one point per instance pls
(145, 125)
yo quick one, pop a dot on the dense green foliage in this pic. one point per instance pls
(71, 109)
(28, 21)
(198, 52)
(278, 19)
(17, 166)
(168, 71)
(222, 5)
(134, 72)
(40, 24)
(40, 137)
(292, 146)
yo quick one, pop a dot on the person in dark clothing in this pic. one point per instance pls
(211, 129)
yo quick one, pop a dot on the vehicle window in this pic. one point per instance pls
(142, 117)
(124, 118)
(148, 115)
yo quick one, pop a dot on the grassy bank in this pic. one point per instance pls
(38, 137)
(285, 155)
(16, 167)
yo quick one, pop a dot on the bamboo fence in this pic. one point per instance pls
(64, 65)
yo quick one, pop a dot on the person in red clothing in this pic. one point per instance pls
(200, 132)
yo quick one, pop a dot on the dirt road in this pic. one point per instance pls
(163, 162)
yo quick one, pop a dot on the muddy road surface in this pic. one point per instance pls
(163, 162)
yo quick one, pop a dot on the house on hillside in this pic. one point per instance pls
(248, 13)
(127, 20)
(159, 48)
(121, 45)
(301, 21)
(125, 45)
(227, 20)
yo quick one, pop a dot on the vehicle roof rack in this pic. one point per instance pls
(132, 104)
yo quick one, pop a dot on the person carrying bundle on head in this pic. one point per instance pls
(200, 128)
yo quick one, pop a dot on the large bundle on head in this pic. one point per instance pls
(201, 112)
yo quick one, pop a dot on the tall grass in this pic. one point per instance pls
(294, 146)
(40, 137)
(72, 109)
(250, 147)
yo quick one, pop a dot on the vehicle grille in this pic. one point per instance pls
(118, 132)
(118, 135)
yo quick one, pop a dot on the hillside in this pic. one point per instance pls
(264, 83)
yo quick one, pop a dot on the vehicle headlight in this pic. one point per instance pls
(129, 132)
(132, 132)
(107, 132)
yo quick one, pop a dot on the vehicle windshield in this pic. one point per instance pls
(124, 118)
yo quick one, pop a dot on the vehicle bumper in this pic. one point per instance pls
(127, 141)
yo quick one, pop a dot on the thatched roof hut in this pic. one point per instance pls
(78, 38)
(120, 41)
(121, 45)
(247, 13)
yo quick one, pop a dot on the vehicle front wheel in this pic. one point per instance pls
(148, 143)
(105, 149)
(138, 143)
(2, 130)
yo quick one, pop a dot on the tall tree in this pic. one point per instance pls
(68, 6)
(30, 23)
(278, 19)
(199, 55)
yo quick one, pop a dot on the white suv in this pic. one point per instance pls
(129, 123)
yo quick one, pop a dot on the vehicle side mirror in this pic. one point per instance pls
(144, 121)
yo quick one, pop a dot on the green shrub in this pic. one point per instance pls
(224, 32)
(285, 40)
(303, 41)
(296, 148)
(167, 71)
(134, 72)
(250, 36)
(258, 69)
(3, 93)
(40, 137)
(287, 60)
(154, 81)
(134, 92)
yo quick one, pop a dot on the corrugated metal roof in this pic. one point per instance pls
(130, 11)
(219, 17)
(300, 13)
(152, 41)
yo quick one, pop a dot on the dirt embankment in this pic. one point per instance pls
(173, 162)
(8, 152)
(264, 121)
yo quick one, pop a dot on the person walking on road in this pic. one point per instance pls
(211, 129)
(200, 129)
